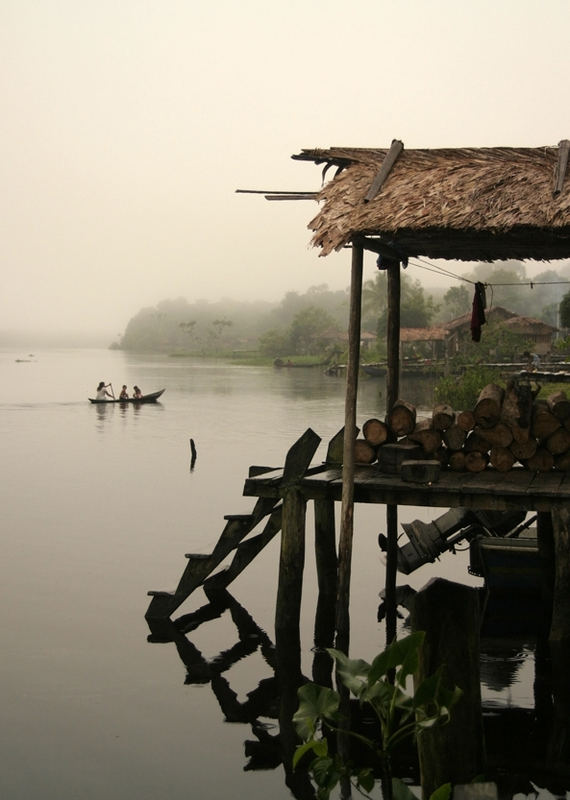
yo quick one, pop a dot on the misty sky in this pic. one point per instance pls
(127, 125)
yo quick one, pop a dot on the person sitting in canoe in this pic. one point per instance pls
(137, 394)
(102, 392)
(124, 394)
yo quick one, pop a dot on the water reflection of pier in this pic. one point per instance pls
(528, 743)
(521, 741)
(271, 698)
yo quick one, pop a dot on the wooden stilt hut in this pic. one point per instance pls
(481, 204)
(470, 204)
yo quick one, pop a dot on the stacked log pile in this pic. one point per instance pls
(507, 428)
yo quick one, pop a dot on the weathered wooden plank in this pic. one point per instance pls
(322, 478)
(516, 482)
(267, 476)
(335, 451)
(565, 484)
(561, 166)
(453, 488)
(422, 471)
(326, 561)
(449, 614)
(547, 484)
(259, 470)
(300, 455)
(389, 160)
(247, 550)
(291, 561)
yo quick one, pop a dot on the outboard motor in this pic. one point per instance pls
(428, 540)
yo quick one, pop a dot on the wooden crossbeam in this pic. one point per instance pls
(380, 178)
(564, 148)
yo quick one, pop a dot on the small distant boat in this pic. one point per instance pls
(374, 370)
(280, 363)
(146, 398)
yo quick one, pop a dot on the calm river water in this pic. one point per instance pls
(99, 505)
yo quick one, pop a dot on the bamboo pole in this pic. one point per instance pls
(392, 391)
(393, 335)
(347, 504)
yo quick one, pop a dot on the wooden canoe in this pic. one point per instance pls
(146, 398)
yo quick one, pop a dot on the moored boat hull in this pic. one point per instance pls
(146, 398)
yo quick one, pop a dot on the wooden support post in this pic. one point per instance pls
(325, 553)
(292, 558)
(391, 572)
(449, 614)
(560, 628)
(347, 504)
(291, 562)
(545, 541)
(392, 392)
(289, 678)
(393, 335)
(558, 750)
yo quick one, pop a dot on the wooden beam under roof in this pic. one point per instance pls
(272, 194)
(292, 196)
(378, 246)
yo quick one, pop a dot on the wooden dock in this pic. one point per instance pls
(281, 502)
(490, 489)
(282, 496)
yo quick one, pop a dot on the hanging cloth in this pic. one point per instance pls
(478, 311)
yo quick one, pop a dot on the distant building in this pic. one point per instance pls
(448, 339)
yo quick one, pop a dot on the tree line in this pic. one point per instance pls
(315, 321)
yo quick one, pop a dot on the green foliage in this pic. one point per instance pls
(417, 308)
(382, 687)
(333, 303)
(456, 301)
(497, 344)
(274, 343)
(175, 326)
(461, 392)
(562, 345)
(295, 325)
(510, 287)
(565, 311)
(310, 329)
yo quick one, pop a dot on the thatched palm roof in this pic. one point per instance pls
(437, 334)
(529, 326)
(468, 204)
(493, 314)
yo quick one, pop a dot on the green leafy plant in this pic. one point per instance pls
(462, 392)
(383, 687)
